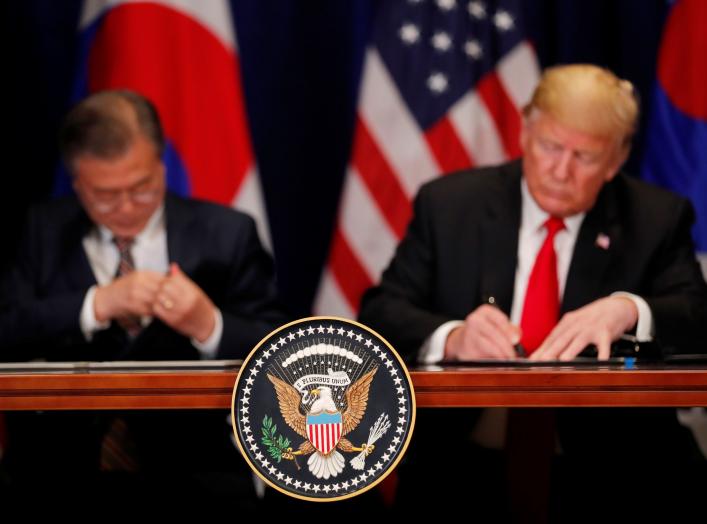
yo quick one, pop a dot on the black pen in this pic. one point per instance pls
(519, 349)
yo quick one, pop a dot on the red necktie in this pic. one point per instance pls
(541, 309)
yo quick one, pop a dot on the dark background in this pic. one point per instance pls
(301, 64)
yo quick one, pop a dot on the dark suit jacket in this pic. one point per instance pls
(462, 243)
(461, 248)
(41, 299)
(215, 246)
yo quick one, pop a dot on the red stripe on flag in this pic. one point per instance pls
(381, 180)
(194, 81)
(348, 271)
(446, 147)
(503, 111)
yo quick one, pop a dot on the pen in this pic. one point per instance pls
(519, 349)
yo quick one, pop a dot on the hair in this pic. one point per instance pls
(588, 98)
(106, 123)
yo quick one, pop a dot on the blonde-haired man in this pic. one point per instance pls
(624, 262)
(549, 257)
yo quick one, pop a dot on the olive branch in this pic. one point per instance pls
(278, 446)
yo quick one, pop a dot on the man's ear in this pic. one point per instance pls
(524, 134)
(528, 116)
(621, 157)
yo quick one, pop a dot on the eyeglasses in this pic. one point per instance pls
(108, 200)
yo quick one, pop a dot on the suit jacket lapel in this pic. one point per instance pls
(499, 238)
(599, 238)
(179, 239)
(75, 263)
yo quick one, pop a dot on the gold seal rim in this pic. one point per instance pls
(392, 466)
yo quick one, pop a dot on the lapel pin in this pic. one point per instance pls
(603, 241)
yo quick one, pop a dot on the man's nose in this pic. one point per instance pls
(563, 165)
(126, 203)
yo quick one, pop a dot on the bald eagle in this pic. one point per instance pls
(330, 462)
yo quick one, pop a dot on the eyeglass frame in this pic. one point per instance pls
(107, 204)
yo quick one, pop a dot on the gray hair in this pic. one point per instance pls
(106, 123)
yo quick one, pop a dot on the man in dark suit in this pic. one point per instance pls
(201, 283)
(470, 279)
(126, 271)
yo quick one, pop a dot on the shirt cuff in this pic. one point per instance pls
(432, 349)
(209, 347)
(87, 319)
(644, 326)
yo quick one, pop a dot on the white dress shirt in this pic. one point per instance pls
(149, 252)
(531, 236)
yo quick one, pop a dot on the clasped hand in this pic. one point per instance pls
(173, 298)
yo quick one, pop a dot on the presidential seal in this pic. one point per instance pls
(323, 409)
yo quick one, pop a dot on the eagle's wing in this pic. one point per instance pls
(306, 448)
(344, 444)
(356, 401)
(289, 400)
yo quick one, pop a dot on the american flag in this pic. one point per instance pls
(442, 88)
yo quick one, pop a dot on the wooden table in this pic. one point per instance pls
(84, 388)
(457, 386)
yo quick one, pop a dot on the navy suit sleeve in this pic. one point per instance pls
(400, 308)
(677, 293)
(29, 313)
(251, 308)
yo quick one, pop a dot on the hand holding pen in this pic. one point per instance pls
(487, 333)
(517, 346)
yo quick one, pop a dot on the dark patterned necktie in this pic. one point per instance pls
(118, 451)
(131, 323)
(118, 447)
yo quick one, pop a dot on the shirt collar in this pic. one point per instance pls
(153, 227)
(533, 216)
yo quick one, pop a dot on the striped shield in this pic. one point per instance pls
(324, 431)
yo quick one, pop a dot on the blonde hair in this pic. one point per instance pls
(589, 99)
